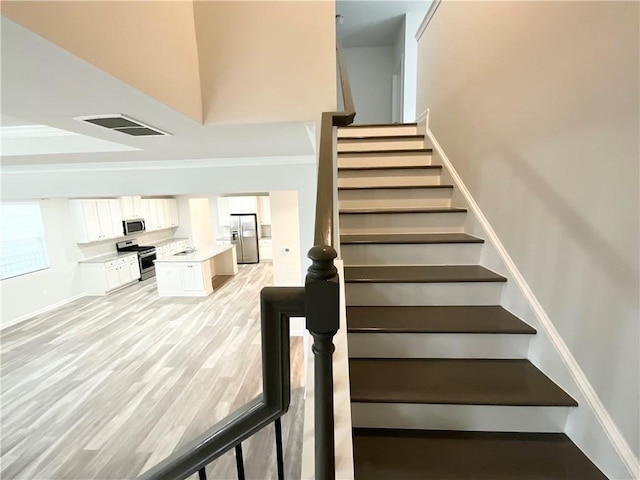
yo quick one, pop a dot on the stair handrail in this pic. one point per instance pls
(322, 288)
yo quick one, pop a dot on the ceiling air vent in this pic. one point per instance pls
(121, 123)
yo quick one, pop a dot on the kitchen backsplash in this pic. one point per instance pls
(266, 230)
(96, 249)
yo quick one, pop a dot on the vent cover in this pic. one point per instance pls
(124, 124)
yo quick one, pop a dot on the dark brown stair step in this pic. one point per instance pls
(420, 274)
(401, 151)
(440, 319)
(406, 238)
(396, 187)
(390, 167)
(453, 381)
(381, 125)
(391, 454)
(361, 138)
(400, 210)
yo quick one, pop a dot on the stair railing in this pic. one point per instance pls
(319, 302)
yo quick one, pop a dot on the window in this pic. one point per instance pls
(23, 248)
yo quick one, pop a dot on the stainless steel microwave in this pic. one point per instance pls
(135, 225)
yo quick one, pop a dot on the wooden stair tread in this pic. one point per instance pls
(379, 125)
(435, 319)
(384, 454)
(362, 138)
(397, 210)
(395, 187)
(406, 238)
(401, 151)
(453, 381)
(350, 168)
(420, 274)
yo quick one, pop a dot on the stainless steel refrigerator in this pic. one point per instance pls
(244, 235)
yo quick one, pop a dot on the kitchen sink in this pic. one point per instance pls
(184, 252)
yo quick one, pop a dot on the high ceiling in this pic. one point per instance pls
(251, 108)
(375, 23)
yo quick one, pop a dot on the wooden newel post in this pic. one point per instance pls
(322, 306)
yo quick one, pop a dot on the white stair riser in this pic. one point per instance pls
(412, 254)
(385, 178)
(437, 345)
(459, 417)
(403, 223)
(395, 197)
(463, 293)
(377, 131)
(384, 160)
(377, 145)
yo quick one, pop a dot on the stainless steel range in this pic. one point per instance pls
(146, 256)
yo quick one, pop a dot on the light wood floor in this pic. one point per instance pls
(106, 387)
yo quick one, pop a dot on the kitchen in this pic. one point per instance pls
(90, 255)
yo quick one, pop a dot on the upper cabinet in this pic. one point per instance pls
(131, 207)
(160, 213)
(96, 219)
(265, 210)
(243, 205)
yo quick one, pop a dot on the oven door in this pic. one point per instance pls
(147, 267)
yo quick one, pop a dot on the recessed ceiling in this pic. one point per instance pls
(54, 86)
(375, 23)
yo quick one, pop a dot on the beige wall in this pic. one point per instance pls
(536, 105)
(148, 45)
(266, 60)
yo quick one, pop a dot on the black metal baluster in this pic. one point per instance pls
(279, 454)
(322, 300)
(239, 462)
(202, 474)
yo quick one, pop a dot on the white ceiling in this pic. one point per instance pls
(45, 85)
(375, 23)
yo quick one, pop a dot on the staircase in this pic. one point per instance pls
(441, 387)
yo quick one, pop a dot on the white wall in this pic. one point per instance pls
(286, 236)
(200, 179)
(36, 291)
(411, 23)
(370, 70)
(536, 105)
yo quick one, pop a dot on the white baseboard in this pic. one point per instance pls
(594, 403)
(46, 309)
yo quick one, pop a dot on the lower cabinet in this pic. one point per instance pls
(101, 278)
(184, 278)
(265, 249)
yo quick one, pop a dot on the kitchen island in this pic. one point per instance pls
(190, 274)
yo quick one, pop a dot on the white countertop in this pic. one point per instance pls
(108, 257)
(198, 256)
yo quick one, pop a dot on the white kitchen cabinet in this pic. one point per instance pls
(223, 212)
(265, 210)
(95, 219)
(192, 276)
(265, 249)
(170, 277)
(172, 209)
(113, 278)
(131, 207)
(243, 205)
(102, 277)
(160, 213)
(116, 218)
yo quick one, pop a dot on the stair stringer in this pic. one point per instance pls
(589, 425)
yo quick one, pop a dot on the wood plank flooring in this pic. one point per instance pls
(106, 387)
